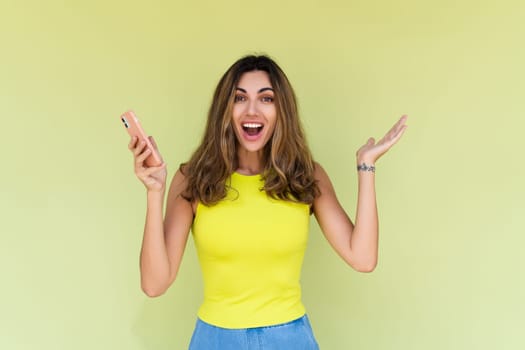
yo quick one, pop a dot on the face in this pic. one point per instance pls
(254, 112)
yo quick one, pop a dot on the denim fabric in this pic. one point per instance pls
(294, 335)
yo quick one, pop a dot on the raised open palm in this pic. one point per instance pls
(371, 151)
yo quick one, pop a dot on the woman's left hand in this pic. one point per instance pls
(370, 152)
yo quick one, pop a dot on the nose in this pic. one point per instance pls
(252, 108)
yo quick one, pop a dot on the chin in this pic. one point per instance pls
(250, 147)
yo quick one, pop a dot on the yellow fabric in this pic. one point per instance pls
(251, 250)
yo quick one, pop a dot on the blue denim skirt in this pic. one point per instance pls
(294, 335)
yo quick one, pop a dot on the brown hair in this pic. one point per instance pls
(288, 168)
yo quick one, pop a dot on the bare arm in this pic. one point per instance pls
(356, 244)
(164, 241)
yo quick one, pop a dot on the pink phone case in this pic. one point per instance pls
(132, 124)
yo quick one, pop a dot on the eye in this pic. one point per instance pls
(267, 99)
(239, 98)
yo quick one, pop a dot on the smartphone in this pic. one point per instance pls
(132, 124)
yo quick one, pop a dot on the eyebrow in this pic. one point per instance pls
(261, 90)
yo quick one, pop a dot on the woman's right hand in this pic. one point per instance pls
(154, 178)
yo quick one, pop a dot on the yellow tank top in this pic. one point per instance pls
(251, 248)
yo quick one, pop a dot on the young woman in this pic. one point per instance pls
(246, 194)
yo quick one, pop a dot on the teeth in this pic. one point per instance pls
(252, 125)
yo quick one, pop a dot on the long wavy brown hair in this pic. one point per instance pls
(288, 167)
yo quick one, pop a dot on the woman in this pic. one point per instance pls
(247, 193)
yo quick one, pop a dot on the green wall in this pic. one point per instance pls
(451, 193)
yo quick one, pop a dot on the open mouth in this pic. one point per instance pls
(252, 129)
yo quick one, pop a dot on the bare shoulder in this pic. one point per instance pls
(177, 187)
(179, 181)
(318, 170)
(179, 184)
(321, 176)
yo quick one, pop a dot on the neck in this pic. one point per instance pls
(250, 163)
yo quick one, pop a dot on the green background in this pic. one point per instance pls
(450, 194)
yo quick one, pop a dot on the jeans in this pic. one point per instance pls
(294, 335)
